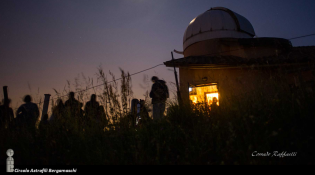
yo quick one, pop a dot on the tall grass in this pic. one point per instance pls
(283, 121)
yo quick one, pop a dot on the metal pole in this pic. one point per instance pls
(178, 92)
(46, 104)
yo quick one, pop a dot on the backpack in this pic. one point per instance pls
(164, 90)
(22, 114)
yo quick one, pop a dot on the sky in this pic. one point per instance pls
(44, 43)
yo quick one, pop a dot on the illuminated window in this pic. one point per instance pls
(204, 93)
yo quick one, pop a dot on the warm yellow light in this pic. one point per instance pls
(211, 96)
(194, 98)
(204, 94)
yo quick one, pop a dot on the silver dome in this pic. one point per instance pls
(218, 22)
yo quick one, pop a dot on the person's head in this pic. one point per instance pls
(71, 95)
(154, 79)
(93, 97)
(27, 99)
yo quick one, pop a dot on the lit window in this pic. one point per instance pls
(205, 93)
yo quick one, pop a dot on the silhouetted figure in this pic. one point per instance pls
(91, 108)
(159, 93)
(214, 106)
(6, 113)
(58, 111)
(73, 106)
(28, 112)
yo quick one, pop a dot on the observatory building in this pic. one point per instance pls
(223, 58)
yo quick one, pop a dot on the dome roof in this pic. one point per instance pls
(217, 22)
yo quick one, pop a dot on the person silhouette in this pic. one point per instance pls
(6, 113)
(159, 94)
(28, 112)
(144, 114)
(91, 108)
(214, 105)
(58, 111)
(73, 106)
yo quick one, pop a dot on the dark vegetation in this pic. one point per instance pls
(258, 122)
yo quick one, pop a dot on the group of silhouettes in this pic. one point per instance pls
(28, 112)
(73, 108)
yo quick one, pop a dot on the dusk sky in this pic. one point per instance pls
(44, 43)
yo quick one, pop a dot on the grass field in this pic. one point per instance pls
(186, 135)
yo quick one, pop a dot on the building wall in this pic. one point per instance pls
(241, 82)
(245, 48)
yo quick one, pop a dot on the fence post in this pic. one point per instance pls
(46, 104)
(5, 94)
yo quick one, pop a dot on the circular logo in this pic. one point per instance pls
(10, 152)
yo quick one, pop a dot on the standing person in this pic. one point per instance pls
(159, 93)
(91, 108)
(214, 106)
(73, 106)
(28, 112)
(6, 113)
(144, 114)
(58, 111)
